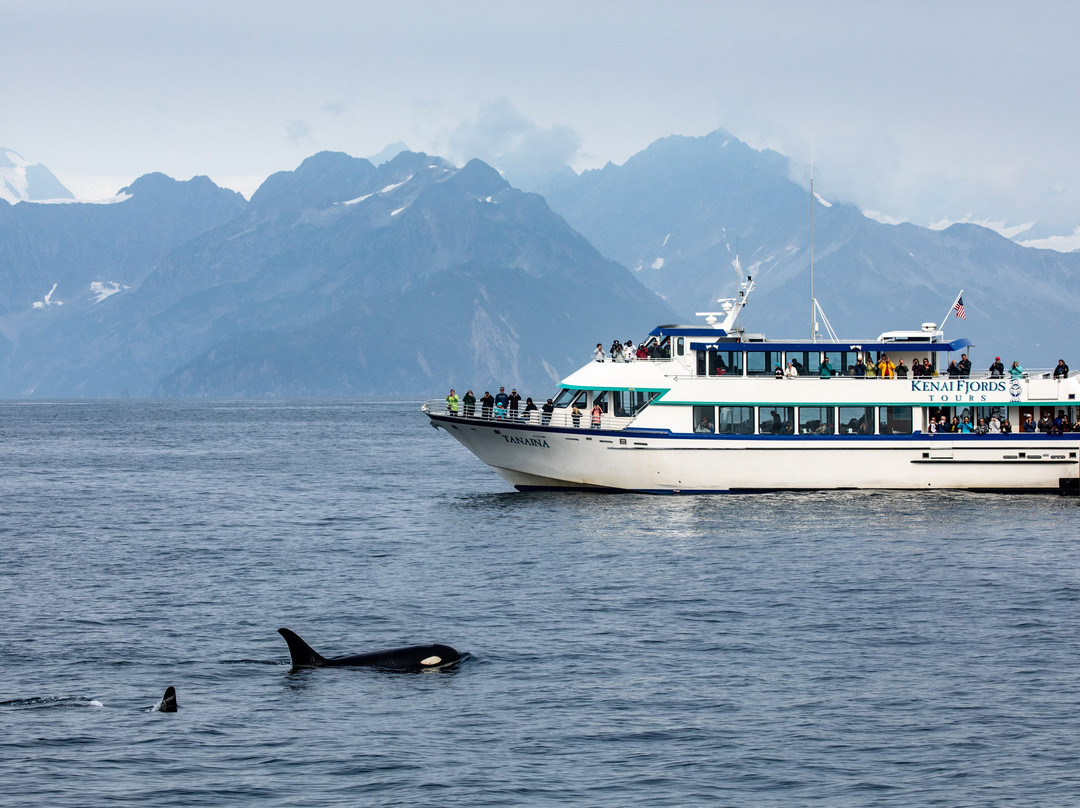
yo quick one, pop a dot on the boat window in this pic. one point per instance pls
(817, 420)
(565, 396)
(763, 363)
(856, 420)
(702, 358)
(777, 420)
(725, 363)
(704, 419)
(634, 401)
(895, 420)
(736, 421)
(679, 349)
(806, 362)
(841, 362)
(986, 413)
(601, 399)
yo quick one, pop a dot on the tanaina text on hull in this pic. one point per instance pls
(710, 408)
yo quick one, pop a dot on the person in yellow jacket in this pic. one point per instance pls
(452, 402)
(885, 367)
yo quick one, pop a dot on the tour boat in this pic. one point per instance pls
(714, 410)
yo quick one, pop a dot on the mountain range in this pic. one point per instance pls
(339, 278)
(346, 278)
(683, 210)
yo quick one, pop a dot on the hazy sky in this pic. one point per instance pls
(929, 112)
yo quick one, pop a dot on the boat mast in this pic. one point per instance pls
(813, 300)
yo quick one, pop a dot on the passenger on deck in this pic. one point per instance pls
(500, 410)
(965, 365)
(469, 402)
(916, 369)
(927, 369)
(597, 414)
(1062, 370)
(791, 372)
(514, 401)
(1029, 424)
(487, 401)
(825, 371)
(901, 370)
(452, 402)
(954, 370)
(1061, 423)
(575, 416)
(1046, 423)
(997, 370)
(994, 427)
(965, 426)
(981, 428)
(642, 351)
(502, 398)
(530, 408)
(546, 411)
(704, 426)
(598, 354)
(859, 371)
(1006, 427)
(1016, 371)
(779, 372)
(886, 368)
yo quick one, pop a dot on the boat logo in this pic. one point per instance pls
(1015, 389)
(958, 389)
(541, 442)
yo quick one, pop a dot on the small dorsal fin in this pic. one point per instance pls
(303, 656)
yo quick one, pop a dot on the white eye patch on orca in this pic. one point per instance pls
(431, 660)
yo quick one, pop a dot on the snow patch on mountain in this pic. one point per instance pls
(100, 291)
(47, 301)
(1069, 243)
(1010, 232)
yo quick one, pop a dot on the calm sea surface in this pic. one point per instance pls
(836, 649)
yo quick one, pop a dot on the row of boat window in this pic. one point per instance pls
(620, 403)
(784, 420)
(764, 363)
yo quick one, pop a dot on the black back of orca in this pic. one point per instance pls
(168, 701)
(410, 658)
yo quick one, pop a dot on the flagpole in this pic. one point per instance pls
(950, 312)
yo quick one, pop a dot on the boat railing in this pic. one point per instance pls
(561, 417)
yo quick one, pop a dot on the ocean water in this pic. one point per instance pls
(832, 649)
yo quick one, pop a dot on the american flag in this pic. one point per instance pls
(958, 307)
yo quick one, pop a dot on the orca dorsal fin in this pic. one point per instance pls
(168, 701)
(303, 656)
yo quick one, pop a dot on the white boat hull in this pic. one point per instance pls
(531, 457)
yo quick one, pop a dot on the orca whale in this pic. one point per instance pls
(168, 701)
(411, 658)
